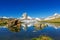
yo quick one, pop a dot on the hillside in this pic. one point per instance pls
(4, 22)
(56, 20)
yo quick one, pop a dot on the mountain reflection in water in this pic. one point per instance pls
(6, 34)
(55, 25)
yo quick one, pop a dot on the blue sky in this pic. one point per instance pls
(34, 8)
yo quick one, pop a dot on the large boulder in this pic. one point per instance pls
(14, 25)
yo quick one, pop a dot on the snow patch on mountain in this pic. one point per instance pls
(38, 19)
(56, 15)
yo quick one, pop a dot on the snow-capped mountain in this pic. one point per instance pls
(25, 16)
(4, 17)
(27, 20)
(56, 15)
(38, 19)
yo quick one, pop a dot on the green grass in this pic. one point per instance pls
(41, 38)
(3, 23)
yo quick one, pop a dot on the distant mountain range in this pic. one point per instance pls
(54, 17)
(4, 17)
(28, 21)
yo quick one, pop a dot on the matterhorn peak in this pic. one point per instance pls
(24, 14)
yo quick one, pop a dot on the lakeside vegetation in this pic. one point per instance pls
(43, 38)
(3, 22)
(57, 20)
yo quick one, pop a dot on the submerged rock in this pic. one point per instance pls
(40, 26)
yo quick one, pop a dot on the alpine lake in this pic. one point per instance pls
(49, 32)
